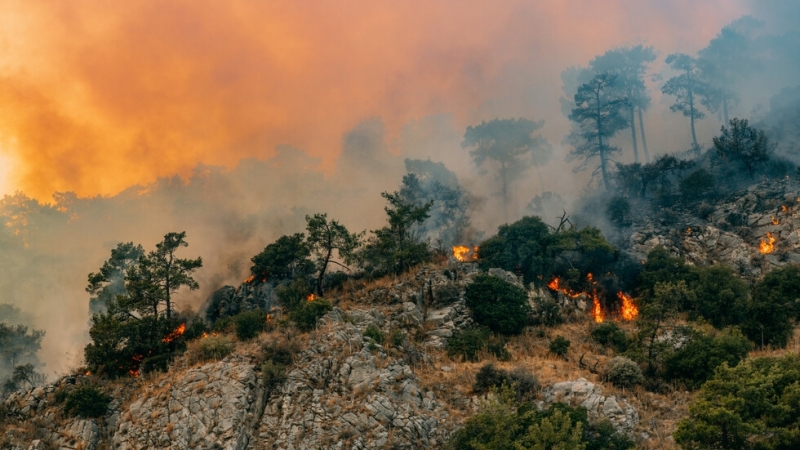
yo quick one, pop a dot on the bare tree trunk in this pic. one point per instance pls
(633, 136)
(644, 139)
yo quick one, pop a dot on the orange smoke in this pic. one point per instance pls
(176, 333)
(95, 99)
(767, 246)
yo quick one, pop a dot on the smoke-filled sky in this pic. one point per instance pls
(268, 111)
(97, 96)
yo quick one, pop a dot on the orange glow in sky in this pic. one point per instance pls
(96, 96)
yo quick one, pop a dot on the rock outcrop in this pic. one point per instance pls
(581, 392)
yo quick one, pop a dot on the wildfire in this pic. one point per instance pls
(462, 253)
(767, 246)
(629, 310)
(135, 372)
(554, 286)
(250, 279)
(597, 311)
(311, 297)
(775, 221)
(784, 208)
(689, 230)
(269, 318)
(176, 333)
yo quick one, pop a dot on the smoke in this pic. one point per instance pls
(233, 122)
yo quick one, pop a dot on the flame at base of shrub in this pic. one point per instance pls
(628, 310)
(767, 246)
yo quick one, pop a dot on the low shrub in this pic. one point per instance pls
(498, 304)
(211, 348)
(306, 315)
(609, 334)
(524, 383)
(548, 313)
(397, 337)
(374, 333)
(468, 344)
(272, 374)
(249, 324)
(623, 372)
(86, 401)
(559, 346)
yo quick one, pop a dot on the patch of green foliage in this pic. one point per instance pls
(524, 383)
(696, 185)
(754, 405)
(306, 316)
(374, 333)
(559, 346)
(618, 211)
(609, 334)
(773, 307)
(286, 258)
(502, 424)
(623, 372)
(211, 348)
(701, 354)
(467, 344)
(522, 247)
(498, 304)
(86, 401)
(249, 324)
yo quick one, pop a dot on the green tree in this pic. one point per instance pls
(109, 281)
(395, 249)
(688, 88)
(743, 144)
(660, 267)
(720, 296)
(629, 64)
(522, 247)
(658, 314)
(597, 117)
(160, 274)
(18, 345)
(325, 237)
(751, 406)
(773, 307)
(696, 184)
(498, 304)
(701, 354)
(286, 258)
(511, 145)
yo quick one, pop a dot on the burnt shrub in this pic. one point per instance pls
(498, 304)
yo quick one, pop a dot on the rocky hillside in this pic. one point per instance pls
(375, 373)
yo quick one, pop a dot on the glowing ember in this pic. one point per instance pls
(176, 333)
(311, 297)
(784, 208)
(629, 310)
(775, 221)
(767, 246)
(250, 279)
(269, 318)
(689, 230)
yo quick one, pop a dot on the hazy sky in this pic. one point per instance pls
(96, 96)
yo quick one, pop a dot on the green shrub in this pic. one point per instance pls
(696, 361)
(468, 343)
(374, 333)
(618, 211)
(696, 185)
(397, 337)
(306, 316)
(224, 325)
(524, 383)
(623, 372)
(86, 401)
(211, 348)
(498, 304)
(720, 296)
(609, 334)
(249, 324)
(559, 346)
(522, 247)
(773, 307)
(293, 295)
(272, 374)
(281, 352)
(548, 313)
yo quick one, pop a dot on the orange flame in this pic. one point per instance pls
(250, 279)
(689, 230)
(775, 221)
(311, 297)
(767, 246)
(269, 318)
(597, 311)
(460, 252)
(784, 208)
(629, 310)
(176, 333)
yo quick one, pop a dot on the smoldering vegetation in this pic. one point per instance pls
(478, 176)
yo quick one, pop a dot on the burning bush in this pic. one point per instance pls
(498, 304)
